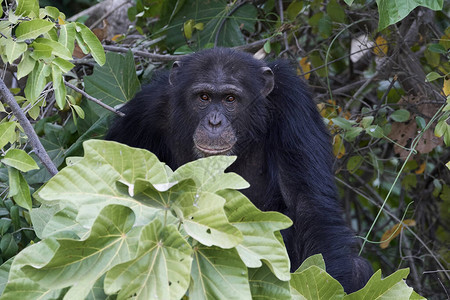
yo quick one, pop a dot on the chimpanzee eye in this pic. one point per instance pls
(230, 98)
(204, 97)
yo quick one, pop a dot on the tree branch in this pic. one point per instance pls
(8, 98)
(89, 97)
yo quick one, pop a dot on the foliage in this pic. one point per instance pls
(379, 71)
(118, 221)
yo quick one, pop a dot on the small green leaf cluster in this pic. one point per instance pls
(44, 43)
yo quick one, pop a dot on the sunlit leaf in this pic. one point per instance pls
(32, 29)
(20, 160)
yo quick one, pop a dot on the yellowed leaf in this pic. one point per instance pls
(338, 146)
(381, 47)
(305, 67)
(446, 87)
(61, 21)
(421, 168)
(394, 231)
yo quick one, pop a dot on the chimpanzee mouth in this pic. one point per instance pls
(209, 151)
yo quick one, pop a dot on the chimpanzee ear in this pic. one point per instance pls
(175, 68)
(268, 81)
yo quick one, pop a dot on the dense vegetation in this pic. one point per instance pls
(379, 71)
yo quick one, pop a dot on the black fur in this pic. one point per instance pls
(283, 150)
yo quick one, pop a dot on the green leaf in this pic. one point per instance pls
(258, 228)
(325, 26)
(366, 121)
(267, 47)
(375, 131)
(23, 197)
(52, 12)
(57, 48)
(84, 261)
(421, 123)
(391, 287)
(432, 76)
(392, 11)
(93, 179)
(8, 246)
(294, 9)
(92, 42)
(209, 174)
(41, 51)
(7, 133)
(349, 2)
(29, 30)
(14, 181)
(14, 49)
(354, 163)
(67, 35)
(63, 64)
(265, 285)
(218, 274)
(441, 128)
(400, 115)
(160, 270)
(315, 283)
(437, 48)
(26, 7)
(25, 66)
(336, 12)
(115, 83)
(59, 87)
(36, 81)
(20, 160)
(313, 260)
(343, 123)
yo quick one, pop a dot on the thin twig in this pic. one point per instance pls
(224, 19)
(89, 97)
(8, 98)
(107, 14)
(159, 57)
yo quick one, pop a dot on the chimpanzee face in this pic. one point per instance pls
(218, 94)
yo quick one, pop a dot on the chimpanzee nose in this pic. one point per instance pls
(215, 120)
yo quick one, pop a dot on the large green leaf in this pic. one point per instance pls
(265, 285)
(209, 174)
(391, 287)
(114, 83)
(92, 181)
(316, 283)
(392, 11)
(14, 49)
(160, 270)
(218, 274)
(258, 229)
(80, 264)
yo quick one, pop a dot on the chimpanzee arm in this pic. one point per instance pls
(302, 150)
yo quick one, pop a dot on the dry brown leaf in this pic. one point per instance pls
(394, 231)
(404, 133)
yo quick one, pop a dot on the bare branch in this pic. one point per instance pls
(89, 97)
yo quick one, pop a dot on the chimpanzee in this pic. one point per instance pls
(222, 101)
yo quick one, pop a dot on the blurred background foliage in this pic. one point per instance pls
(380, 79)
